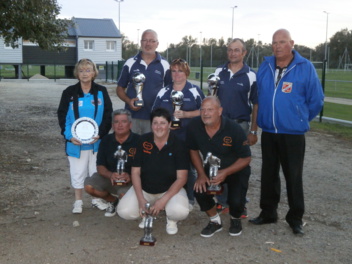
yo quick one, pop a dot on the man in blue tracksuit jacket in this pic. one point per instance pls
(289, 97)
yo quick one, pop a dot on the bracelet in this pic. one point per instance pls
(254, 132)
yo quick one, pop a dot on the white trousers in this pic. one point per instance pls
(176, 208)
(83, 167)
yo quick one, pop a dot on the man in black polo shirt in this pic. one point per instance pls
(224, 139)
(101, 184)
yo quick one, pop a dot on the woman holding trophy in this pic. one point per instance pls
(159, 172)
(183, 100)
(84, 116)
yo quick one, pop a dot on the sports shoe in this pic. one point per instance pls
(211, 229)
(99, 203)
(77, 207)
(111, 210)
(221, 209)
(141, 224)
(171, 227)
(236, 227)
(244, 214)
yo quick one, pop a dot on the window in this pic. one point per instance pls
(88, 44)
(111, 45)
(8, 46)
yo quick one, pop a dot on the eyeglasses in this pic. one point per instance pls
(87, 71)
(175, 61)
(149, 41)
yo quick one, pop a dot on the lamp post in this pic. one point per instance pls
(258, 52)
(119, 1)
(137, 38)
(326, 36)
(233, 10)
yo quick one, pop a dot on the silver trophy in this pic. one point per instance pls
(213, 84)
(214, 165)
(177, 101)
(148, 239)
(138, 82)
(121, 157)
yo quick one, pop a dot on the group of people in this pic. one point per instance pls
(164, 165)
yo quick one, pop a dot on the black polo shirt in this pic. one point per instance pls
(226, 144)
(158, 167)
(108, 147)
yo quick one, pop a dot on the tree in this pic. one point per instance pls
(129, 48)
(33, 20)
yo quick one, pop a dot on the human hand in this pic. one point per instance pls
(251, 139)
(131, 104)
(76, 141)
(201, 184)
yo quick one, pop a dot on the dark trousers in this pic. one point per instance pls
(237, 186)
(288, 151)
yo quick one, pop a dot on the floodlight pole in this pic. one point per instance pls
(324, 63)
(233, 11)
(119, 1)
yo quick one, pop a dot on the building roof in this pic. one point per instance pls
(92, 27)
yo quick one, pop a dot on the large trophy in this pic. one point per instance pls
(138, 80)
(214, 165)
(148, 239)
(121, 157)
(177, 101)
(213, 84)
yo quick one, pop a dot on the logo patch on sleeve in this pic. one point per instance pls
(286, 87)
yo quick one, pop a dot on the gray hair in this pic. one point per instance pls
(122, 112)
(240, 40)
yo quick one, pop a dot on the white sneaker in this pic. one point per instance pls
(77, 207)
(171, 227)
(141, 224)
(99, 203)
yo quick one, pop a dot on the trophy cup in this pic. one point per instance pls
(121, 157)
(138, 80)
(177, 101)
(214, 165)
(148, 239)
(213, 84)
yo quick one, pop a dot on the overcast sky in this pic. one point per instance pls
(256, 19)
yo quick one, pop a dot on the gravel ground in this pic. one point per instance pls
(37, 226)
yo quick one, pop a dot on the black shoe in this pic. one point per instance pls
(236, 227)
(261, 221)
(111, 210)
(211, 229)
(297, 230)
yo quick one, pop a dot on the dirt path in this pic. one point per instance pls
(36, 223)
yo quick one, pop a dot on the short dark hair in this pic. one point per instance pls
(160, 112)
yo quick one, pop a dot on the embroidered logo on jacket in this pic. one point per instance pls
(99, 102)
(286, 87)
(147, 147)
(227, 141)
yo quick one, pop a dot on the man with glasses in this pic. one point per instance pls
(289, 97)
(238, 96)
(157, 75)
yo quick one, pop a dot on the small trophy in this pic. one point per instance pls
(138, 80)
(148, 239)
(177, 101)
(213, 84)
(214, 165)
(121, 157)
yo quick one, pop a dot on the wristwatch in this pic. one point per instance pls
(254, 132)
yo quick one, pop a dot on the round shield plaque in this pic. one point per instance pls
(85, 129)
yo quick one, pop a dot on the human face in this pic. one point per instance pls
(235, 52)
(282, 45)
(121, 125)
(86, 74)
(160, 127)
(178, 76)
(210, 112)
(149, 43)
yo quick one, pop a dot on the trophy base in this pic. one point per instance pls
(120, 183)
(147, 243)
(215, 191)
(138, 103)
(176, 124)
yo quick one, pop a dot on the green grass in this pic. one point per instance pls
(338, 111)
(8, 71)
(338, 131)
